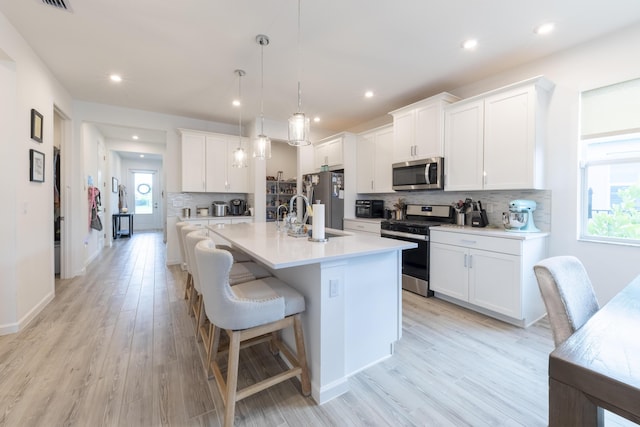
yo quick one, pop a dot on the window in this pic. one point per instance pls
(610, 160)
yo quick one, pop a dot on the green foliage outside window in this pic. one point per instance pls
(624, 219)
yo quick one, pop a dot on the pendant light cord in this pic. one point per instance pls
(261, 89)
(240, 72)
(299, 63)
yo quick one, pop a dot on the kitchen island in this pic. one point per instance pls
(353, 294)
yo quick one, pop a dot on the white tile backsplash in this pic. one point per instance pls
(177, 201)
(495, 202)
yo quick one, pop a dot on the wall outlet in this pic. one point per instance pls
(334, 286)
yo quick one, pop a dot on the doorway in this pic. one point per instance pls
(61, 201)
(146, 199)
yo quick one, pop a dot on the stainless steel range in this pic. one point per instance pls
(415, 228)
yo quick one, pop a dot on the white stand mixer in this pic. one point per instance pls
(520, 216)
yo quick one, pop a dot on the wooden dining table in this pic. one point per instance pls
(598, 367)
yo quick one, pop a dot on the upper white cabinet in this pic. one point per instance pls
(419, 128)
(193, 162)
(207, 163)
(329, 152)
(495, 141)
(373, 161)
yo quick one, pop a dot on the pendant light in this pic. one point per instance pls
(240, 156)
(262, 144)
(298, 122)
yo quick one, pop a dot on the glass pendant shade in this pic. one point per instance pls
(298, 122)
(262, 147)
(262, 144)
(239, 158)
(299, 130)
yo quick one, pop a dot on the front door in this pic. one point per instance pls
(146, 200)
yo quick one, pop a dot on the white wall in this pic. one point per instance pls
(283, 158)
(26, 243)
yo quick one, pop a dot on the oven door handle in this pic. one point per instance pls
(409, 236)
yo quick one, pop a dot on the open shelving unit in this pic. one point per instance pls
(278, 193)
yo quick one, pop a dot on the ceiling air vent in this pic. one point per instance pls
(59, 4)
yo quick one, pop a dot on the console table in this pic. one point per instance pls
(115, 224)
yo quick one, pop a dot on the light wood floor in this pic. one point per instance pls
(116, 348)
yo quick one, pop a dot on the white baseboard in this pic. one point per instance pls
(12, 328)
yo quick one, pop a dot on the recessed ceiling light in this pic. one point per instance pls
(544, 28)
(470, 44)
(316, 119)
(115, 78)
(135, 137)
(368, 94)
(141, 155)
(236, 103)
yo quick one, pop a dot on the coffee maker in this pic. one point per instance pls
(520, 216)
(237, 207)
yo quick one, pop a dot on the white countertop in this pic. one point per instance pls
(276, 249)
(491, 231)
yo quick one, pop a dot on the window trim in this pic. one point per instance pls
(584, 190)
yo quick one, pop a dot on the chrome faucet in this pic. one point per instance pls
(278, 226)
(298, 230)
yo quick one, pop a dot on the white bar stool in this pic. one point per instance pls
(240, 272)
(248, 312)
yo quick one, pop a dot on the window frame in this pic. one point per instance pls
(584, 189)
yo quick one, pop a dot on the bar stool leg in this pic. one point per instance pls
(232, 378)
(301, 354)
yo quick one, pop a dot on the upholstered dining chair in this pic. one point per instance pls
(249, 312)
(567, 293)
(240, 272)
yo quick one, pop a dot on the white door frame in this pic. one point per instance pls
(66, 212)
(156, 223)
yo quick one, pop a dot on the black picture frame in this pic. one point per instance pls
(114, 184)
(36, 125)
(36, 166)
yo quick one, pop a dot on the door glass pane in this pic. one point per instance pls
(143, 183)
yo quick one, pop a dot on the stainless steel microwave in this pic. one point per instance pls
(425, 174)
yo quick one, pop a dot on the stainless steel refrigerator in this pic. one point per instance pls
(328, 188)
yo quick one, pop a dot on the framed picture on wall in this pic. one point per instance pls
(114, 184)
(36, 125)
(36, 166)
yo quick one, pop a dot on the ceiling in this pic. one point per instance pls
(179, 57)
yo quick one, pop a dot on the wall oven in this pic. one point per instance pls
(415, 229)
(425, 174)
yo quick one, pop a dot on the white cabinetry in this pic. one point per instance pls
(193, 162)
(365, 226)
(328, 152)
(373, 161)
(419, 128)
(491, 274)
(207, 163)
(495, 141)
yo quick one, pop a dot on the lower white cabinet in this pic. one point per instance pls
(491, 274)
